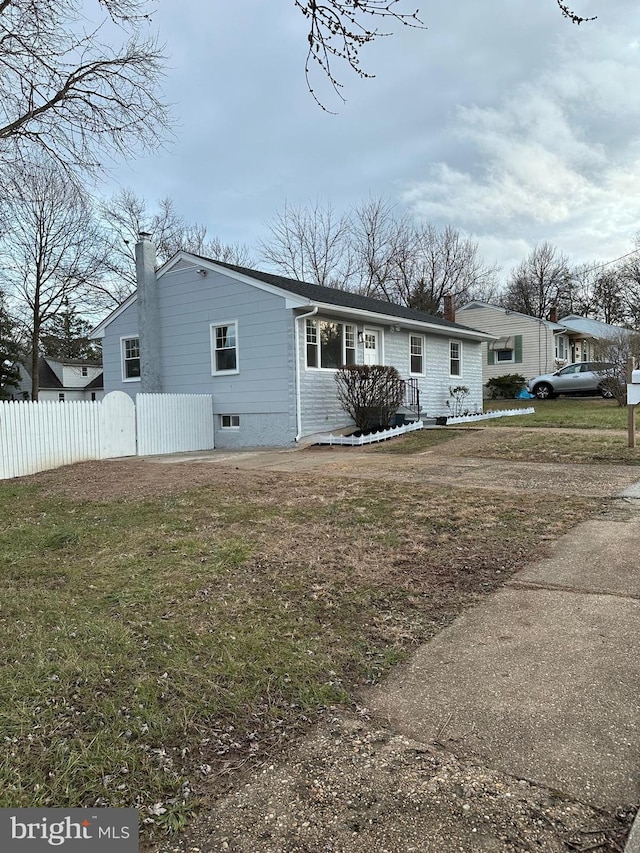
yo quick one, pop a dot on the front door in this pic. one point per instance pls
(371, 340)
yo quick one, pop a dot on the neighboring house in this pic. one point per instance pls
(62, 380)
(531, 346)
(267, 348)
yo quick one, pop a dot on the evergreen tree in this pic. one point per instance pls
(66, 336)
(10, 353)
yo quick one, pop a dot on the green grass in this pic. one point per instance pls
(147, 646)
(562, 412)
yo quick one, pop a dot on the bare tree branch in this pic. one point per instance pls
(125, 215)
(68, 92)
(338, 29)
(571, 15)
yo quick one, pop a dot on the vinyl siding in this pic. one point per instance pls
(320, 407)
(261, 392)
(124, 325)
(537, 337)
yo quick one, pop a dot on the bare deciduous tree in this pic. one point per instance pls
(542, 280)
(53, 252)
(310, 244)
(379, 252)
(616, 350)
(69, 90)
(127, 214)
(380, 240)
(441, 262)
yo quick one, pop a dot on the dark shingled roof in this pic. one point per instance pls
(343, 298)
(46, 376)
(97, 383)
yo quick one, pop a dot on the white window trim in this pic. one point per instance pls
(231, 426)
(316, 321)
(124, 338)
(422, 372)
(511, 360)
(460, 374)
(355, 342)
(212, 338)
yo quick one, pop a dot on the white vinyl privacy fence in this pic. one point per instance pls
(38, 436)
(173, 423)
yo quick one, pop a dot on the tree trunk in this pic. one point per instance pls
(35, 358)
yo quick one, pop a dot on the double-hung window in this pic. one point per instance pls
(455, 358)
(416, 365)
(329, 345)
(130, 359)
(224, 347)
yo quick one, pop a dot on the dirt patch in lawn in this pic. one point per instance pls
(537, 461)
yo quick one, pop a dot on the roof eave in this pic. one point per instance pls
(393, 320)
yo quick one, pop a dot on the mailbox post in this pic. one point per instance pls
(633, 398)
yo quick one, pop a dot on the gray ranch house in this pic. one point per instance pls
(267, 348)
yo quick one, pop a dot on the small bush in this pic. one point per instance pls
(370, 394)
(505, 387)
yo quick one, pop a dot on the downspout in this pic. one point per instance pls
(311, 313)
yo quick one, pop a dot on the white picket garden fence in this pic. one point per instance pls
(39, 436)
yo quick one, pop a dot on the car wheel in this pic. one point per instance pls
(543, 391)
(605, 393)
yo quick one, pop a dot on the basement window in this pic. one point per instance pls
(229, 421)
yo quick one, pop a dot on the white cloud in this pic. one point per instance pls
(557, 158)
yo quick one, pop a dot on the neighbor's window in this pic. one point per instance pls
(61, 397)
(504, 355)
(224, 346)
(130, 359)
(329, 344)
(562, 348)
(84, 371)
(455, 358)
(229, 421)
(417, 354)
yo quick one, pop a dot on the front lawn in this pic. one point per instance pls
(152, 645)
(562, 412)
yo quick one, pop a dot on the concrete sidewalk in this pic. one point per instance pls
(542, 680)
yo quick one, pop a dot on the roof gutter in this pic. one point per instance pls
(456, 331)
(311, 313)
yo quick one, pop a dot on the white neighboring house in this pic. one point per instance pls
(531, 346)
(62, 380)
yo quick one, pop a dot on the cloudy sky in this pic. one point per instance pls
(502, 119)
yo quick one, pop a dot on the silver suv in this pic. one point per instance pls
(583, 377)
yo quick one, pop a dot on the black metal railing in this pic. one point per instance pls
(411, 399)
